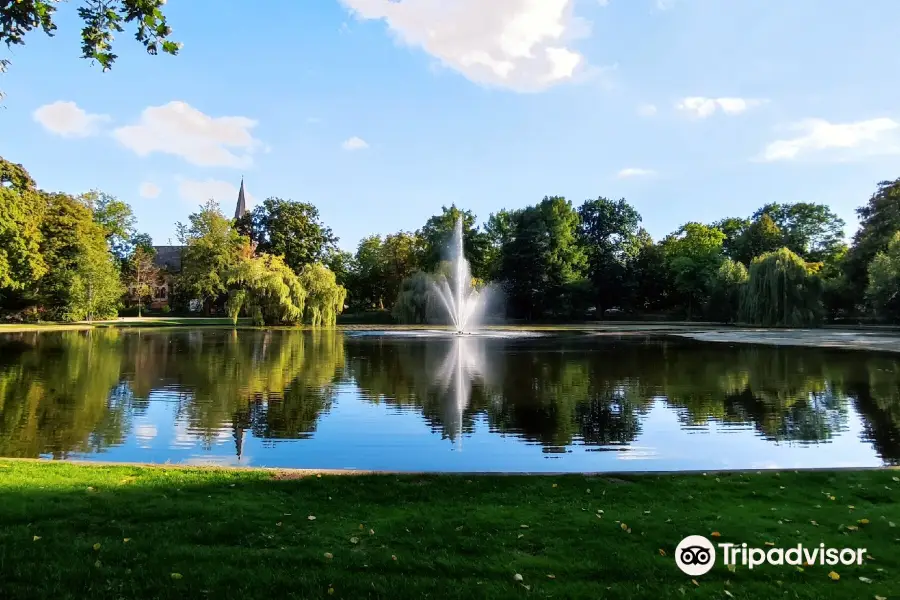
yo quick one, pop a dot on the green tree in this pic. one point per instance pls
(693, 256)
(607, 232)
(414, 302)
(369, 280)
(879, 221)
(761, 236)
(783, 290)
(649, 276)
(266, 288)
(812, 231)
(733, 228)
(142, 275)
(542, 257)
(21, 214)
(324, 297)
(102, 20)
(292, 230)
(498, 231)
(438, 231)
(726, 291)
(213, 248)
(883, 290)
(82, 279)
(116, 219)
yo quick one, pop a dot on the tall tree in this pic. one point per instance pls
(761, 236)
(727, 289)
(116, 219)
(21, 214)
(733, 228)
(369, 280)
(883, 290)
(265, 288)
(438, 231)
(879, 221)
(542, 257)
(812, 231)
(498, 231)
(607, 232)
(142, 276)
(693, 255)
(102, 20)
(291, 229)
(213, 248)
(82, 279)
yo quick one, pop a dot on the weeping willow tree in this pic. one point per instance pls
(413, 305)
(325, 298)
(782, 291)
(267, 289)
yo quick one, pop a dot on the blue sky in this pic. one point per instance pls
(379, 112)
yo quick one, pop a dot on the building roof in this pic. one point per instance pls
(241, 209)
(168, 257)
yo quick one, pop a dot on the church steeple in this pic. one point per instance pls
(241, 208)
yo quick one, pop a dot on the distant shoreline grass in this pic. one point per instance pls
(69, 530)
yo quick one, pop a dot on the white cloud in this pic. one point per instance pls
(178, 128)
(68, 120)
(874, 136)
(646, 110)
(355, 143)
(701, 107)
(522, 45)
(149, 190)
(635, 172)
(225, 193)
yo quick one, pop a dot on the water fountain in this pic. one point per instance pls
(463, 303)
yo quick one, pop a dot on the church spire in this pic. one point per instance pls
(241, 208)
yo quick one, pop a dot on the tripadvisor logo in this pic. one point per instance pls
(695, 555)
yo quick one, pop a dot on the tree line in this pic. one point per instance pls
(74, 257)
(786, 264)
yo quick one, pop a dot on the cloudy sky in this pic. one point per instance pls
(381, 111)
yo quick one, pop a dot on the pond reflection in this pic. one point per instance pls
(332, 400)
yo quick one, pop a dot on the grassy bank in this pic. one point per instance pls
(69, 531)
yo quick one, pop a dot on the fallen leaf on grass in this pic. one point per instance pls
(834, 576)
(769, 543)
(694, 581)
(831, 497)
(126, 540)
(865, 580)
(880, 598)
(98, 564)
(329, 555)
(891, 524)
(732, 567)
(524, 526)
(662, 552)
(371, 532)
(554, 485)
(311, 517)
(36, 538)
(520, 536)
(354, 540)
(330, 590)
(850, 506)
(800, 569)
(623, 526)
(814, 523)
(176, 576)
(97, 546)
(852, 527)
(393, 557)
(716, 534)
(517, 577)
(551, 576)
(278, 524)
(863, 521)
(727, 593)
(897, 479)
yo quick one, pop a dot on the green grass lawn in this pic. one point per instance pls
(70, 531)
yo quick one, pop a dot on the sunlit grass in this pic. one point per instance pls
(70, 531)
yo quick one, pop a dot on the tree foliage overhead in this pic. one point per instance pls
(783, 290)
(102, 19)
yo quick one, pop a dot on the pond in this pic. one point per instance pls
(525, 403)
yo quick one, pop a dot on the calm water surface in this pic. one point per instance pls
(528, 403)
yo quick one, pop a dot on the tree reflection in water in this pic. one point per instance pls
(79, 392)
